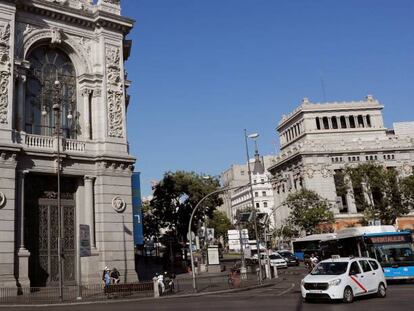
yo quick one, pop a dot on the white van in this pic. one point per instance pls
(344, 278)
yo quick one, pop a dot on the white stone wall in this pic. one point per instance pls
(93, 40)
(7, 219)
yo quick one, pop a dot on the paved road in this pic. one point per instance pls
(283, 296)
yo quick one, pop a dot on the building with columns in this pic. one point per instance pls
(80, 44)
(318, 140)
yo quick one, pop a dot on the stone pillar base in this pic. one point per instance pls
(23, 279)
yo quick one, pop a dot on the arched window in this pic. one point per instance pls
(325, 123)
(318, 124)
(351, 122)
(46, 66)
(334, 123)
(368, 120)
(360, 121)
(343, 122)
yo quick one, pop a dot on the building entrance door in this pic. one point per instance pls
(42, 239)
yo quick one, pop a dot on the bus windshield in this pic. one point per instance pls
(330, 268)
(392, 254)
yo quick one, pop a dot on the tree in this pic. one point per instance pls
(377, 192)
(308, 211)
(149, 224)
(220, 223)
(407, 191)
(175, 197)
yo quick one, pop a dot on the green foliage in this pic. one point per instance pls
(407, 191)
(175, 197)
(308, 211)
(150, 227)
(220, 223)
(377, 192)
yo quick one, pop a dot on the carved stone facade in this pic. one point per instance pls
(114, 93)
(82, 43)
(319, 139)
(4, 72)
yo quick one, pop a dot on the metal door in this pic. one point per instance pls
(45, 261)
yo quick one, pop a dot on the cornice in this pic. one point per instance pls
(80, 17)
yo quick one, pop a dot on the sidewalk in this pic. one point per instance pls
(206, 285)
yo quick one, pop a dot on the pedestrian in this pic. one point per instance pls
(103, 274)
(161, 284)
(115, 276)
(313, 260)
(107, 279)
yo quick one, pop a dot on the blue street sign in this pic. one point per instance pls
(136, 209)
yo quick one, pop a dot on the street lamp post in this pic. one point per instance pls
(255, 135)
(189, 228)
(57, 109)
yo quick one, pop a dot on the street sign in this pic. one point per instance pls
(85, 241)
(191, 237)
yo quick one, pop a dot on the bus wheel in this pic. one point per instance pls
(348, 295)
(382, 291)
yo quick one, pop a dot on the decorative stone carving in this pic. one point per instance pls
(97, 92)
(4, 72)
(56, 35)
(2, 199)
(86, 92)
(325, 172)
(114, 93)
(309, 171)
(115, 2)
(118, 204)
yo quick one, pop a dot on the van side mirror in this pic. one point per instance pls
(353, 272)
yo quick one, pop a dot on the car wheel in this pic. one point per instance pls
(348, 295)
(382, 291)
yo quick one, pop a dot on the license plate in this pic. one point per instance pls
(315, 291)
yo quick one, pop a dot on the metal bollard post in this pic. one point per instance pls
(156, 289)
(275, 272)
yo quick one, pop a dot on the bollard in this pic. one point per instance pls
(156, 289)
(275, 272)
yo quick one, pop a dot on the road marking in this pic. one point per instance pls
(287, 290)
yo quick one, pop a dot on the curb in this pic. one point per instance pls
(234, 290)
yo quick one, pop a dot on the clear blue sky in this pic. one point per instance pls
(203, 70)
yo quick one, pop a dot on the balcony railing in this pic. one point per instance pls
(33, 141)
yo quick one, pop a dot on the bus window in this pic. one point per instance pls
(394, 253)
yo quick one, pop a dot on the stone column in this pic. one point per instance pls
(330, 123)
(21, 86)
(364, 121)
(23, 254)
(348, 125)
(89, 208)
(86, 113)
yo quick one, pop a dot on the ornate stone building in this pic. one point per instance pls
(319, 139)
(81, 44)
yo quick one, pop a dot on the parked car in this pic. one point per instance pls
(344, 278)
(277, 261)
(291, 259)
